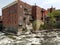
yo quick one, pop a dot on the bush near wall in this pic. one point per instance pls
(37, 24)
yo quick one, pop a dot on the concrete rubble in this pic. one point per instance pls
(50, 38)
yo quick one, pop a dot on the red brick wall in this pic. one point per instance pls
(51, 9)
(10, 16)
(36, 12)
(21, 11)
(14, 14)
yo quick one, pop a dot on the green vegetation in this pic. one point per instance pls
(43, 26)
(37, 24)
(56, 13)
(51, 24)
(53, 18)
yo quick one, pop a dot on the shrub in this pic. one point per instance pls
(37, 24)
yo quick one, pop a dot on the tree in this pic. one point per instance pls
(53, 18)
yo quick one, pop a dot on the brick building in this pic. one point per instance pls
(20, 13)
(51, 9)
(38, 13)
(16, 14)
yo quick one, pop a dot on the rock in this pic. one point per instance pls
(35, 44)
(31, 39)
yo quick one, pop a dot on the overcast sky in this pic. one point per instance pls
(42, 3)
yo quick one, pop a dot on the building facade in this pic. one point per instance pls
(16, 14)
(50, 10)
(19, 13)
(38, 13)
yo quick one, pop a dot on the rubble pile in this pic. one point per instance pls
(40, 38)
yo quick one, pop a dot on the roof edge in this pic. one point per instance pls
(9, 5)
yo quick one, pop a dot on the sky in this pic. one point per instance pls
(41, 3)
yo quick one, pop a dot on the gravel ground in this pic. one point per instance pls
(39, 38)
